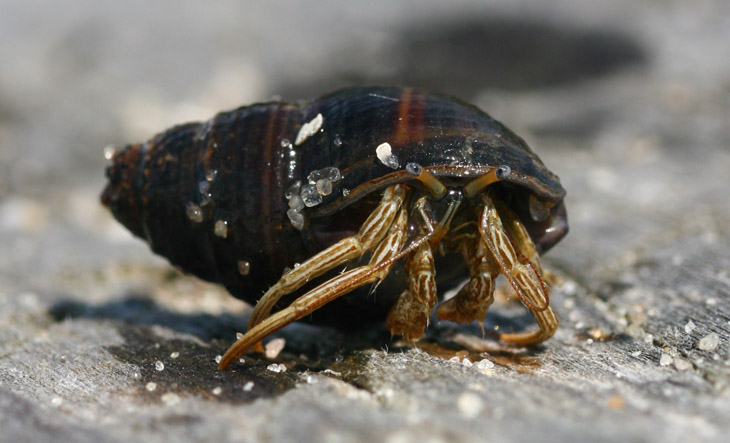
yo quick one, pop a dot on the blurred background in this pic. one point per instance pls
(628, 102)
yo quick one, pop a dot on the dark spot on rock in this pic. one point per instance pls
(194, 371)
(463, 56)
(196, 338)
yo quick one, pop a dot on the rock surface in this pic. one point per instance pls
(628, 103)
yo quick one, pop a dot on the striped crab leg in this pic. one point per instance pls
(371, 233)
(384, 256)
(474, 299)
(410, 313)
(523, 275)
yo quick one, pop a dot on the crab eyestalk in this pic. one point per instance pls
(434, 185)
(475, 186)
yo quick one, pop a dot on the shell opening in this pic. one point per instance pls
(539, 211)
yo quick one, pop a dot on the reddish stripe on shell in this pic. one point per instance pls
(409, 126)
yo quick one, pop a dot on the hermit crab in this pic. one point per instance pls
(356, 206)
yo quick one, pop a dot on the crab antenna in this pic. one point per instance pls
(434, 185)
(475, 186)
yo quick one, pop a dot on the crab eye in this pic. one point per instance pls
(503, 171)
(539, 211)
(414, 169)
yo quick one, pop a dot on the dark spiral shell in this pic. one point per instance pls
(212, 196)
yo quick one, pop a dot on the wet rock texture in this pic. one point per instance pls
(627, 102)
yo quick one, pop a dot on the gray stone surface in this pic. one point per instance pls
(629, 103)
